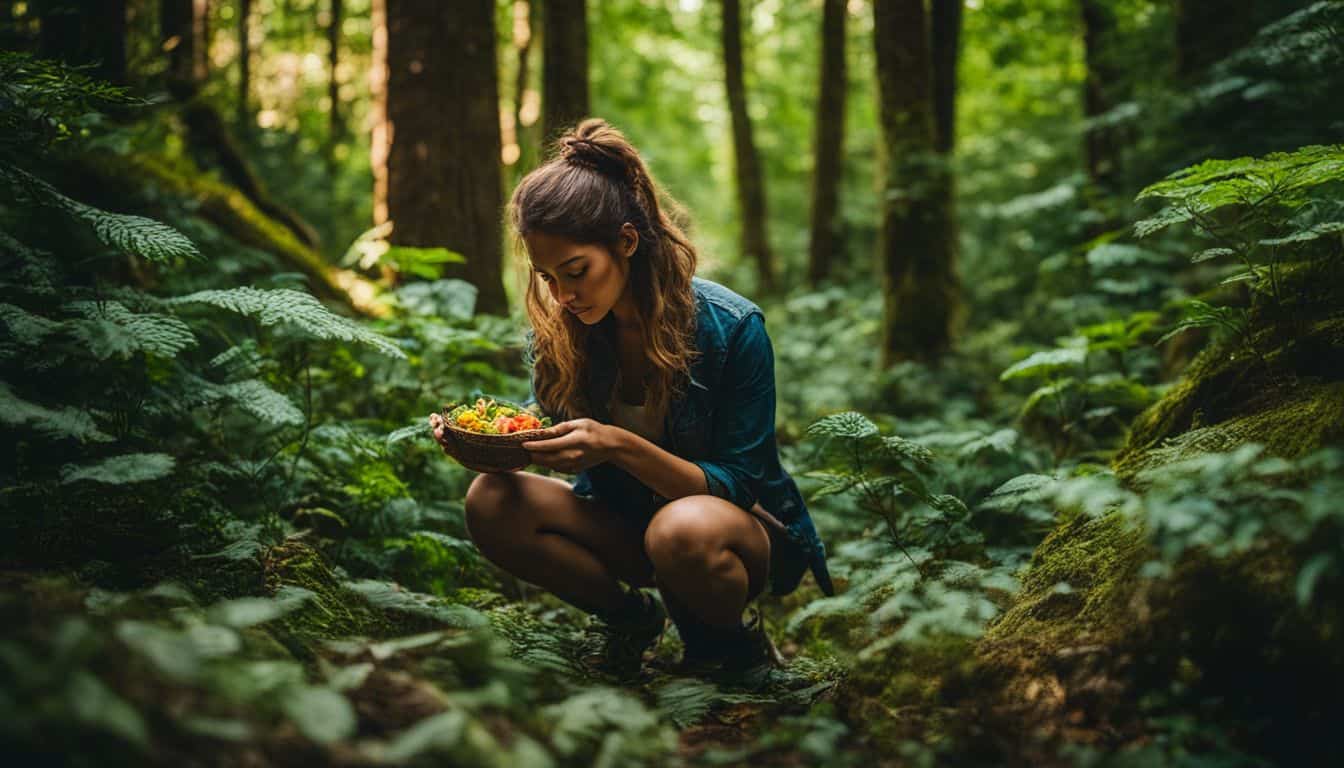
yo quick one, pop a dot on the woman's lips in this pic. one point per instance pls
(579, 310)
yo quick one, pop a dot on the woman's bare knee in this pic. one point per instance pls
(492, 507)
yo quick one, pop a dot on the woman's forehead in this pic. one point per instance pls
(551, 251)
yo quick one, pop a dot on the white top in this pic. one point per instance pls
(636, 419)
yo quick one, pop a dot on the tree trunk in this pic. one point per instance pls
(244, 117)
(442, 180)
(564, 65)
(750, 186)
(1104, 77)
(86, 33)
(946, 32)
(828, 145)
(178, 33)
(335, 119)
(915, 245)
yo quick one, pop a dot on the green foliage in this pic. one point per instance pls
(292, 309)
(1262, 211)
(118, 470)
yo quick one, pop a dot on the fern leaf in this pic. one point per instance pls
(255, 397)
(1211, 253)
(849, 424)
(132, 235)
(66, 422)
(1323, 229)
(295, 308)
(121, 470)
(901, 449)
(26, 328)
(109, 329)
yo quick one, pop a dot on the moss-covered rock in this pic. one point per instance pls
(333, 612)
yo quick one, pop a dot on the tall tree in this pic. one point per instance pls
(1105, 77)
(244, 116)
(946, 34)
(441, 182)
(335, 119)
(915, 245)
(750, 183)
(181, 31)
(564, 65)
(90, 32)
(828, 144)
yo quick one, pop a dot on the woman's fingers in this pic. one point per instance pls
(551, 438)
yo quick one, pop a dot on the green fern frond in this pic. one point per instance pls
(26, 328)
(66, 422)
(419, 430)
(258, 399)
(295, 308)
(132, 235)
(849, 424)
(121, 470)
(109, 329)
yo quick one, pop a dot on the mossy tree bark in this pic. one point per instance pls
(564, 65)
(828, 145)
(86, 33)
(443, 183)
(916, 252)
(750, 183)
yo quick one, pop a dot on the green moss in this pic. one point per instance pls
(333, 612)
(1304, 419)
(1078, 582)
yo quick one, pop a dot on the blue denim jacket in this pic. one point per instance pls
(724, 423)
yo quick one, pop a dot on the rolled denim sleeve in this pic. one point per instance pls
(743, 447)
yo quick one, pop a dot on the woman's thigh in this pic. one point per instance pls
(506, 511)
(704, 526)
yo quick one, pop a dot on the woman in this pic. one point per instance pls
(667, 384)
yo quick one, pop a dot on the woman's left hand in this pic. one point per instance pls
(571, 446)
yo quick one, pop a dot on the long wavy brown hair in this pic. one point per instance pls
(592, 183)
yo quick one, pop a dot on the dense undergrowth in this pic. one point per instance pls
(1105, 531)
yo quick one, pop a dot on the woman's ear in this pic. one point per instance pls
(629, 239)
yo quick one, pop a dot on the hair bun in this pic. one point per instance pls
(580, 148)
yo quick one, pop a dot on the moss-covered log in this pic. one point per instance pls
(230, 210)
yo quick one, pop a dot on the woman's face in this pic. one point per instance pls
(585, 278)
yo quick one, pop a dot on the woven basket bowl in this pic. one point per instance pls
(487, 453)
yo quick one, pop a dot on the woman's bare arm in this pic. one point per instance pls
(669, 475)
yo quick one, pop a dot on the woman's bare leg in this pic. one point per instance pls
(711, 555)
(536, 528)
